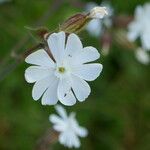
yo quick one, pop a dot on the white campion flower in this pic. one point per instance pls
(95, 27)
(65, 78)
(67, 127)
(142, 56)
(140, 27)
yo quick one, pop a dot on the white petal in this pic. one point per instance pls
(94, 27)
(66, 138)
(59, 123)
(76, 142)
(40, 58)
(64, 88)
(69, 139)
(109, 8)
(61, 111)
(98, 12)
(142, 56)
(80, 88)
(55, 119)
(139, 13)
(63, 138)
(50, 96)
(73, 45)
(69, 99)
(88, 54)
(134, 31)
(60, 127)
(56, 43)
(36, 73)
(145, 38)
(147, 8)
(82, 132)
(40, 86)
(88, 72)
(73, 141)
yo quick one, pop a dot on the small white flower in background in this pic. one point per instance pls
(140, 27)
(67, 127)
(65, 79)
(142, 56)
(96, 26)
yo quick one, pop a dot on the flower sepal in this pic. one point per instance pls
(39, 33)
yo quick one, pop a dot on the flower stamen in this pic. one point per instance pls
(61, 69)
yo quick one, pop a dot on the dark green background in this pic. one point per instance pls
(117, 113)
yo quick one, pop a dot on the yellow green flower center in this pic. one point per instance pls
(61, 69)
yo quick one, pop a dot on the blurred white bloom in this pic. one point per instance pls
(95, 27)
(98, 12)
(140, 27)
(68, 127)
(142, 56)
(64, 78)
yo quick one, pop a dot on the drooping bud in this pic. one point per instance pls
(98, 13)
(77, 22)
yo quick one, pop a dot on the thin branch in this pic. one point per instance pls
(77, 3)
(47, 140)
(8, 68)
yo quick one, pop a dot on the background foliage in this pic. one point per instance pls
(117, 113)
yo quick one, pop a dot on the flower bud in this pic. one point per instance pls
(74, 24)
(77, 22)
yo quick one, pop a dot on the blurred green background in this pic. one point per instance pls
(117, 113)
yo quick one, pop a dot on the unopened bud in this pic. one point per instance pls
(74, 24)
(77, 22)
(98, 13)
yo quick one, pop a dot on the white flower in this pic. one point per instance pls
(64, 78)
(96, 26)
(142, 56)
(140, 27)
(68, 127)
